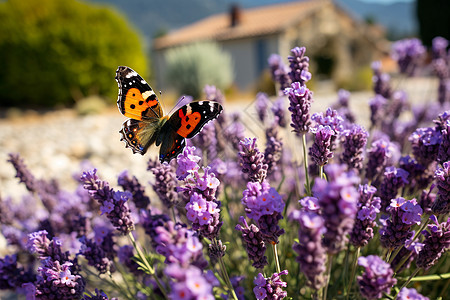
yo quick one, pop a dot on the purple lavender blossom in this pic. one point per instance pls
(279, 112)
(216, 251)
(368, 208)
(377, 277)
(442, 204)
(299, 65)
(165, 182)
(437, 241)
(254, 243)
(311, 255)
(411, 249)
(96, 256)
(381, 81)
(187, 163)
(12, 274)
(131, 184)
(46, 190)
(439, 47)
(410, 294)
(330, 118)
(279, 71)
(404, 214)
(125, 255)
(206, 140)
(355, 140)
(261, 105)
(23, 173)
(425, 144)
(427, 199)
(99, 295)
(444, 147)
(300, 99)
(309, 204)
(263, 204)
(394, 179)
(252, 161)
(203, 208)
(179, 245)
(190, 282)
(273, 151)
(270, 288)
(414, 169)
(150, 221)
(114, 204)
(338, 199)
(377, 110)
(320, 151)
(408, 53)
(378, 155)
(57, 281)
(204, 215)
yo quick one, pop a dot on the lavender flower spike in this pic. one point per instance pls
(270, 288)
(299, 64)
(377, 277)
(320, 151)
(252, 161)
(311, 253)
(437, 241)
(113, 204)
(442, 203)
(355, 140)
(300, 99)
(254, 243)
(338, 199)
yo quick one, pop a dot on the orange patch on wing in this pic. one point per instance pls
(188, 122)
(137, 104)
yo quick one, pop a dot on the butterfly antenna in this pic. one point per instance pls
(179, 103)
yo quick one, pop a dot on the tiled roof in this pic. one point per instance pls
(253, 22)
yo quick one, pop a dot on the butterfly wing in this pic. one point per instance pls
(138, 135)
(136, 99)
(172, 144)
(190, 118)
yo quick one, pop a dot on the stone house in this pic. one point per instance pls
(337, 43)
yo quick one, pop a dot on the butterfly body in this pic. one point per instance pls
(147, 125)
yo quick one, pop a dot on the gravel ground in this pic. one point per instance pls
(55, 144)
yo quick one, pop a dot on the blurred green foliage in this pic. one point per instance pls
(191, 67)
(359, 81)
(54, 51)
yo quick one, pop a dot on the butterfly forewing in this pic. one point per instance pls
(136, 99)
(190, 119)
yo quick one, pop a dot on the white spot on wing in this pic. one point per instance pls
(147, 94)
(200, 102)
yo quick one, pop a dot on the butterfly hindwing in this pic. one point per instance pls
(139, 136)
(190, 118)
(136, 99)
(171, 145)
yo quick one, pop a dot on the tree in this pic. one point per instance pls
(52, 50)
(433, 17)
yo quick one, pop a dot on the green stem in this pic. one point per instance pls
(321, 172)
(352, 276)
(394, 254)
(147, 264)
(408, 281)
(305, 163)
(225, 277)
(174, 215)
(328, 274)
(275, 255)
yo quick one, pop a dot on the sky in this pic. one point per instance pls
(386, 1)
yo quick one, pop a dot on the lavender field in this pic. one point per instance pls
(314, 194)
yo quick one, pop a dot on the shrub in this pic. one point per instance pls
(191, 67)
(53, 49)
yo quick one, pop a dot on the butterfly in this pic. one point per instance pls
(147, 124)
